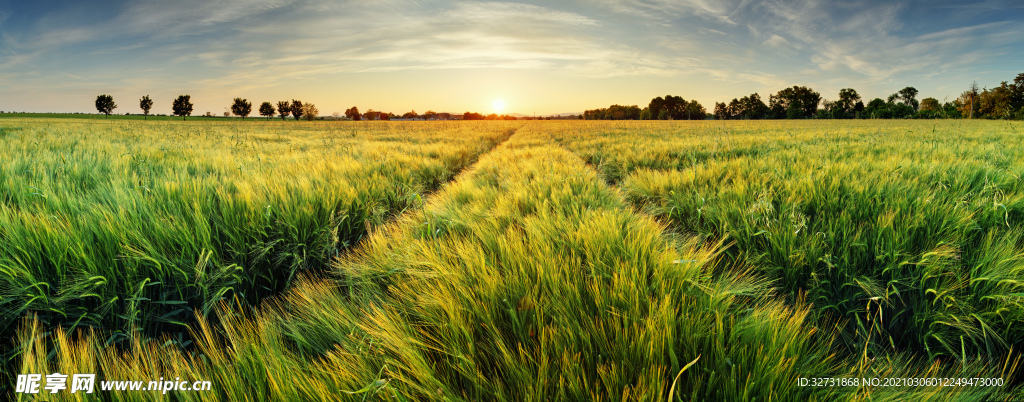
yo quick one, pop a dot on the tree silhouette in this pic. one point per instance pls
(145, 104)
(353, 113)
(266, 109)
(182, 106)
(794, 103)
(241, 107)
(847, 103)
(284, 108)
(105, 104)
(310, 111)
(296, 109)
(908, 95)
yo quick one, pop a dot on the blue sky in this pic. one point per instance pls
(540, 57)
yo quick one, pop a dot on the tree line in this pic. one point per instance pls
(1005, 101)
(428, 115)
(182, 106)
(667, 108)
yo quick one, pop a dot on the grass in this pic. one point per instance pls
(918, 219)
(632, 261)
(130, 226)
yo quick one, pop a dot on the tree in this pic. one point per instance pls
(1017, 92)
(145, 104)
(614, 112)
(847, 103)
(284, 108)
(795, 110)
(951, 110)
(995, 103)
(734, 109)
(353, 113)
(929, 104)
(266, 109)
(721, 111)
(182, 106)
(969, 101)
(750, 107)
(645, 114)
(410, 115)
(908, 95)
(794, 103)
(695, 111)
(105, 104)
(296, 109)
(241, 107)
(664, 115)
(310, 111)
(677, 108)
(877, 109)
(902, 110)
(829, 110)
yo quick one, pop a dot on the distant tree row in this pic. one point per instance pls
(1003, 102)
(182, 106)
(492, 116)
(241, 107)
(667, 108)
(804, 103)
(790, 103)
(295, 108)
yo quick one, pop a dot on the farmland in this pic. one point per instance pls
(128, 226)
(583, 260)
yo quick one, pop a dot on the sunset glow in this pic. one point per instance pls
(544, 57)
(499, 106)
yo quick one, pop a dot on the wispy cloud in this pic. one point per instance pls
(721, 11)
(221, 45)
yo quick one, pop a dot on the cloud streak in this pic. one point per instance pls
(220, 45)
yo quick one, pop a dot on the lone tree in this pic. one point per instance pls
(310, 111)
(284, 108)
(145, 104)
(182, 106)
(241, 107)
(266, 109)
(296, 109)
(105, 104)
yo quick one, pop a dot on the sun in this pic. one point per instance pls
(499, 106)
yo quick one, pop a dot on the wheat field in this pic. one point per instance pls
(515, 261)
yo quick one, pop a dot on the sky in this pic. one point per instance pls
(542, 57)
